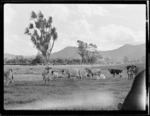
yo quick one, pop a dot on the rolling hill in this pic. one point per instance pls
(9, 56)
(68, 52)
(131, 51)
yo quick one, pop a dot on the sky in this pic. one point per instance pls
(109, 26)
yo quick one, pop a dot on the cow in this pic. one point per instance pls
(91, 72)
(56, 74)
(47, 74)
(131, 71)
(115, 71)
(102, 76)
(71, 72)
(8, 77)
(83, 73)
(136, 98)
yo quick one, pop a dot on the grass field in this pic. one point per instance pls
(30, 92)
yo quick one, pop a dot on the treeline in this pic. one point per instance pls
(38, 61)
(69, 61)
(18, 60)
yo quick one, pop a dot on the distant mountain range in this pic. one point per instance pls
(11, 56)
(131, 51)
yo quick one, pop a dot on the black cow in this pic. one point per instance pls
(115, 71)
(131, 71)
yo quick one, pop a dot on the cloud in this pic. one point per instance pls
(90, 10)
(86, 22)
(121, 6)
(14, 42)
(80, 27)
(113, 36)
(9, 13)
(140, 37)
(16, 45)
(82, 30)
(63, 41)
(60, 12)
(75, 30)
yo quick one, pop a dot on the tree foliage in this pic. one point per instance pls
(37, 60)
(42, 33)
(88, 52)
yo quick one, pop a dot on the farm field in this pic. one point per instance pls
(30, 92)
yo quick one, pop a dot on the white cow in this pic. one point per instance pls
(8, 77)
(83, 73)
(92, 72)
(71, 72)
(57, 74)
(101, 76)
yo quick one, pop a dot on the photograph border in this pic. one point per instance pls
(68, 112)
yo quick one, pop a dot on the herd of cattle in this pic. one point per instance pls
(50, 74)
(135, 100)
(91, 73)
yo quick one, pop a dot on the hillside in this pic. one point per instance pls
(68, 52)
(9, 56)
(131, 51)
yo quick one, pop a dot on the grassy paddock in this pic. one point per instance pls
(27, 69)
(67, 94)
(30, 92)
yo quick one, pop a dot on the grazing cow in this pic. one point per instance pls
(131, 71)
(71, 72)
(136, 98)
(8, 77)
(46, 74)
(115, 71)
(92, 72)
(102, 76)
(57, 74)
(83, 73)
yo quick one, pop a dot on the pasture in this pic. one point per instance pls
(30, 92)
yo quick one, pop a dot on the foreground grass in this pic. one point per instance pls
(85, 94)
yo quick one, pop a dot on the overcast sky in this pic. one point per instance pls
(108, 26)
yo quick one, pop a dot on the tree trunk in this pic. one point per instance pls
(45, 60)
(51, 50)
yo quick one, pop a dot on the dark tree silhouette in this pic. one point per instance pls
(43, 34)
(88, 52)
(82, 50)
